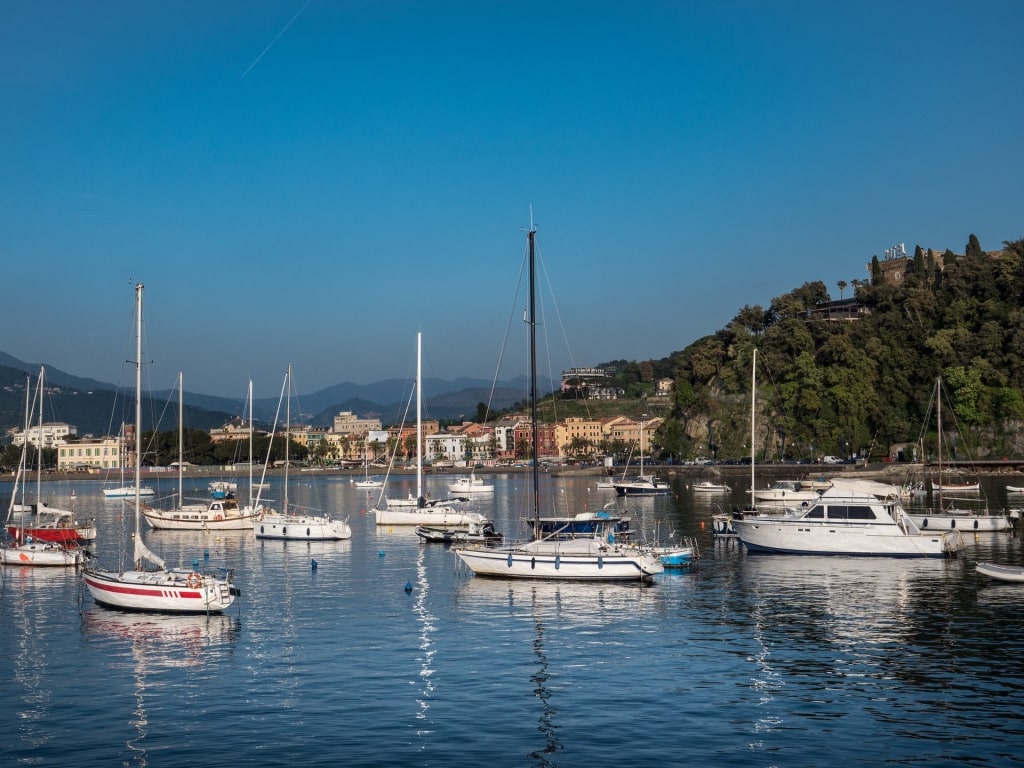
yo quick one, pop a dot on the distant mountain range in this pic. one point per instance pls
(97, 408)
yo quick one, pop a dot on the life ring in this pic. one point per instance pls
(194, 580)
(219, 517)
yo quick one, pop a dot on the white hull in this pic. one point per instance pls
(41, 554)
(574, 559)
(369, 483)
(710, 488)
(441, 516)
(966, 521)
(1014, 573)
(1014, 489)
(160, 591)
(127, 492)
(470, 486)
(219, 515)
(956, 487)
(302, 528)
(804, 537)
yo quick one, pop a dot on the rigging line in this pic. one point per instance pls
(274, 41)
(508, 330)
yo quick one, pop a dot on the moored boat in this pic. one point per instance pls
(476, 533)
(846, 523)
(157, 588)
(1013, 573)
(601, 557)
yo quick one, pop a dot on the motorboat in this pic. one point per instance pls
(706, 486)
(784, 493)
(846, 523)
(470, 485)
(641, 485)
(475, 533)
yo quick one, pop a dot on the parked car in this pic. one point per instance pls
(831, 460)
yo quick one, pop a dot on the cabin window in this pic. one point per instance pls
(837, 512)
(861, 513)
(815, 514)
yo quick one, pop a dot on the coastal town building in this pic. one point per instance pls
(347, 423)
(95, 454)
(48, 434)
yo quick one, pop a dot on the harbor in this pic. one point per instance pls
(381, 650)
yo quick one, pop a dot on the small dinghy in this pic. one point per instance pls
(1001, 572)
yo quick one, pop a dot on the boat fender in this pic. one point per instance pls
(952, 523)
(509, 559)
(558, 562)
(924, 523)
(975, 525)
(600, 561)
(533, 562)
(194, 580)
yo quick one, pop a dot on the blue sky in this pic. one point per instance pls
(314, 182)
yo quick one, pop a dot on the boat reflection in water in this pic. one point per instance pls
(563, 633)
(157, 643)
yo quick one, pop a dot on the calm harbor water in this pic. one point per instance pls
(745, 661)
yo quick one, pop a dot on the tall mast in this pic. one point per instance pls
(938, 397)
(250, 446)
(753, 414)
(533, 387)
(138, 417)
(419, 420)
(181, 439)
(39, 450)
(287, 436)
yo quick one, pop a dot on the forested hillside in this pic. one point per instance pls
(858, 386)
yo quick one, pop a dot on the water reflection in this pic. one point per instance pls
(156, 643)
(427, 625)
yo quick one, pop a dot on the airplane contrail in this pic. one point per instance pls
(276, 38)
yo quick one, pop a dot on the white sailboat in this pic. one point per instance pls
(953, 516)
(290, 524)
(26, 548)
(222, 513)
(421, 511)
(368, 481)
(596, 558)
(126, 490)
(157, 589)
(641, 485)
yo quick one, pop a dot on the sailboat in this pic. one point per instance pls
(597, 558)
(26, 548)
(222, 513)
(290, 524)
(368, 481)
(641, 485)
(157, 589)
(423, 512)
(126, 490)
(952, 516)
